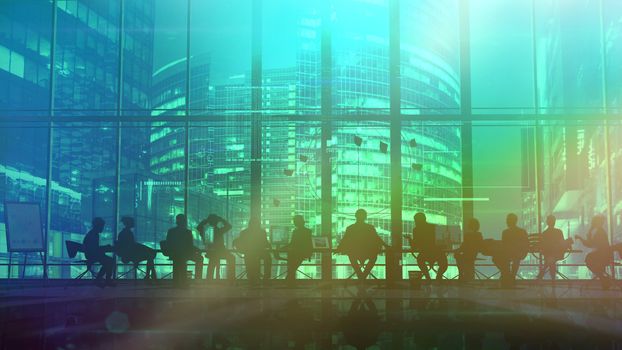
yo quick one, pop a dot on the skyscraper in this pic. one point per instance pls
(86, 83)
(220, 151)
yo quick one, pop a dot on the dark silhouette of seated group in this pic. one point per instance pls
(361, 243)
(126, 248)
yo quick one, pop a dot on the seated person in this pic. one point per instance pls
(180, 248)
(216, 250)
(129, 250)
(95, 253)
(299, 248)
(516, 245)
(424, 241)
(552, 246)
(253, 243)
(362, 245)
(467, 253)
(601, 255)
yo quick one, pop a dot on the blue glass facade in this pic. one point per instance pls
(154, 108)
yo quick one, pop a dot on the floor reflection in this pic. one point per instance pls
(354, 319)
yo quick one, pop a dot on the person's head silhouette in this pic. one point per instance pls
(299, 221)
(127, 222)
(98, 224)
(420, 219)
(473, 225)
(181, 220)
(253, 222)
(212, 219)
(360, 215)
(598, 221)
(511, 220)
(550, 220)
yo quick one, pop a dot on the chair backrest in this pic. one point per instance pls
(73, 248)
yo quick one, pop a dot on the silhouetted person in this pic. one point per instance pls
(601, 255)
(516, 245)
(95, 253)
(553, 246)
(362, 245)
(467, 253)
(217, 250)
(253, 243)
(180, 248)
(299, 248)
(129, 250)
(424, 241)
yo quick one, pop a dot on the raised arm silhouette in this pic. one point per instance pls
(216, 250)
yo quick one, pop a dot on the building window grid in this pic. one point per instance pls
(113, 37)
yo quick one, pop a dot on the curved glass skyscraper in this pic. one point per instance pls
(359, 150)
(275, 108)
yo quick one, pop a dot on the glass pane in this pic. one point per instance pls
(615, 154)
(432, 181)
(220, 56)
(25, 35)
(361, 179)
(154, 57)
(502, 57)
(86, 59)
(23, 174)
(84, 182)
(612, 26)
(360, 49)
(291, 184)
(430, 57)
(575, 182)
(504, 181)
(220, 175)
(569, 56)
(291, 57)
(152, 180)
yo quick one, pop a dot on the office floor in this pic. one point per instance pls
(315, 315)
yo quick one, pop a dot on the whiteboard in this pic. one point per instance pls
(24, 232)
